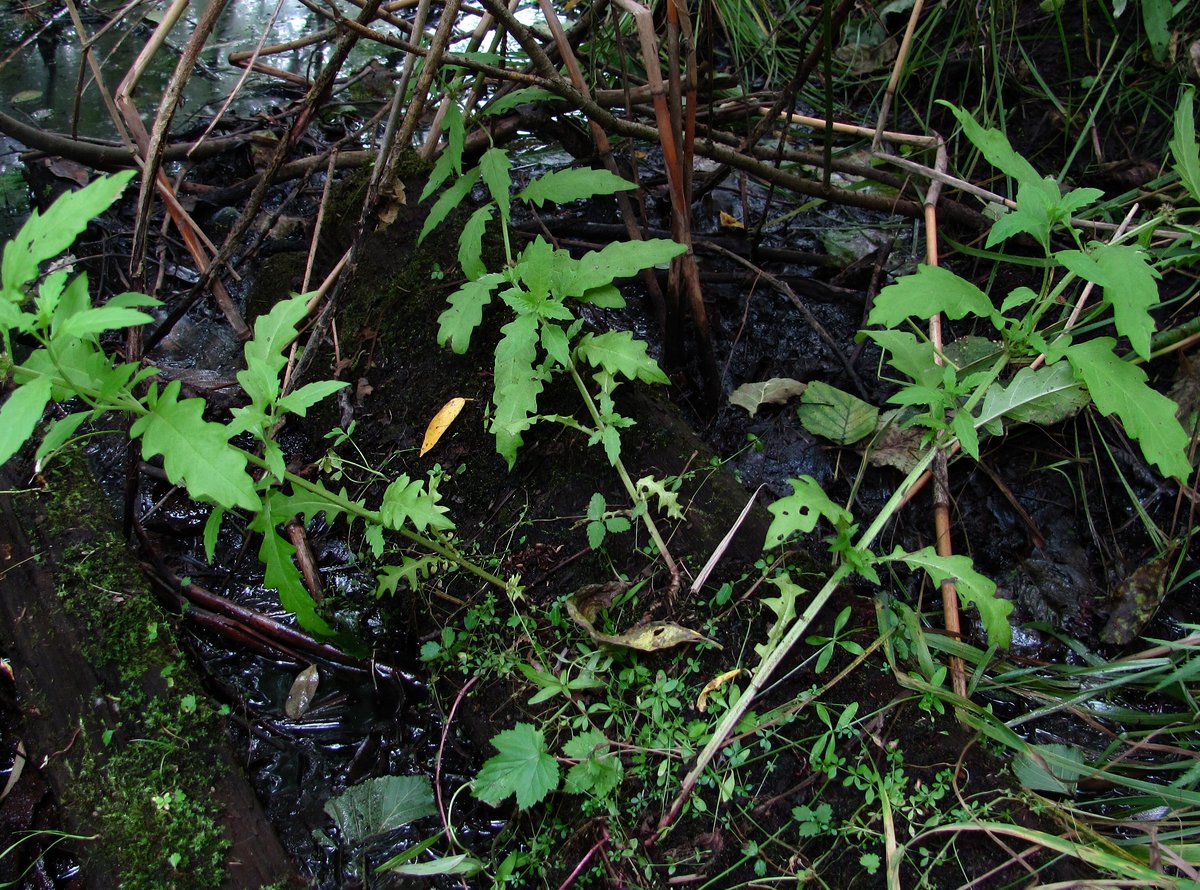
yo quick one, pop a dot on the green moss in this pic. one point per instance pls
(145, 778)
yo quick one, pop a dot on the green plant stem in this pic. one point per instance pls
(356, 509)
(619, 465)
(773, 658)
(126, 403)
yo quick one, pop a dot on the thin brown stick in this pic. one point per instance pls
(604, 147)
(233, 239)
(784, 288)
(885, 107)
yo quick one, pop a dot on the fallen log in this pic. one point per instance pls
(113, 718)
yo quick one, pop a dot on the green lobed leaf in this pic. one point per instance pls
(20, 413)
(565, 186)
(798, 512)
(973, 588)
(784, 607)
(273, 332)
(1156, 17)
(909, 355)
(1130, 287)
(307, 504)
(1183, 145)
(374, 807)
(58, 433)
(494, 166)
(517, 384)
(195, 451)
(668, 501)
(450, 160)
(606, 296)
(406, 500)
(458, 864)
(470, 243)
(619, 352)
(557, 344)
(927, 292)
(299, 401)
(79, 362)
(48, 234)
(413, 572)
(1034, 214)
(621, 259)
(1120, 388)
(458, 322)
(104, 318)
(281, 574)
(523, 767)
(523, 96)
(447, 201)
(995, 146)
(1044, 396)
(212, 528)
(456, 137)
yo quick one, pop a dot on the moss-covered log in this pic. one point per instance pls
(111, 712)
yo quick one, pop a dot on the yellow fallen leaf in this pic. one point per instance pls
(585, 604)
(440, 423)
(730, 221)
(712, 685)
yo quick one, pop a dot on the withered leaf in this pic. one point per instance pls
(1136, 599)
(302, 693)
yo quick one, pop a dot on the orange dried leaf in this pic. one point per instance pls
(440, 423)
(712, 685)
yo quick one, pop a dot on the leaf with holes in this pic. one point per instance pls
(798, 512)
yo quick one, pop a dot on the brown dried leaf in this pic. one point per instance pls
(1136, 599)
(302, 693)
(585, 604)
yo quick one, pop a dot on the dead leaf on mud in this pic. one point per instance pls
(775, 391)
(390, 203)
(893, 445)
(1136, 599)
(440, 423)
(302, 693)
(585, 604)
